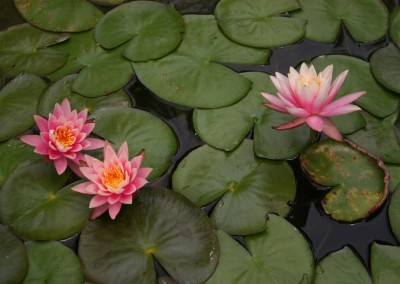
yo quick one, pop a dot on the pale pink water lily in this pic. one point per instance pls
(308, 97)
(63, 136)
(113, 182)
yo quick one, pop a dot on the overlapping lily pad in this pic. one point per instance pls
(52, 262)
(160, 224)
(247, 187)
(18, 100)
(141, 130)
(395, 25)
(59, 15)
(150, 30)
(278, 255)
(191, 76)
(385, 264)
(260, 23)
(35, 205)
(24, 48)
(394, 212)
(385, 64)
(365, 20)
(360, 182)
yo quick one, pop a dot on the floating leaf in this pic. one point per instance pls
(150, 30)
(395, 25)
(9, 15)
(53, 263)
(18, 100)
(394, 212)
(13, 258)
(360, 181)
(260, 23)
(159, 223)
(394, 170)
(278, 255)
(38, 207)
(365, 20)
(59, 15)
(342, 267)
(24, 48)
(385, 261)
(247, 187)
(191, 76)
(141, 130)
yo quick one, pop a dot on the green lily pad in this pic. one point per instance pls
(378, 101)
(395, 25)
(385, 262)
(18, 100)
(394, 212)
(278, 255)
(385, 64)
(150, 30)
(247, 187)
(51, 262)
(9, 15)
(260, 23)
(360, 182)
(343, 267)
(160, 223)
(59, 15)
(13, 258)
(62, 89)
(141, 130)
(38, 207)
(394, 170)
(365, 20)
(191, 76)
(101, 71)
(24, 48)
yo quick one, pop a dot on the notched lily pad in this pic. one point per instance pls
(385, 264)
(247, 187)
(360, 181)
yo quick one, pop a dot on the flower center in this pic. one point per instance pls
(307, 81)
(64, 136)
(113, 177)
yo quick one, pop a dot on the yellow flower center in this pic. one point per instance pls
(306, 81)
(113, 177)
(64, 136)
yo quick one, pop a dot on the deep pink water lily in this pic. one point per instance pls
(63, 136)
(113, 182)
(309, 97)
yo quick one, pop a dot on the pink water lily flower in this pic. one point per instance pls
(63, 136)
(113, 182)
(308, 97)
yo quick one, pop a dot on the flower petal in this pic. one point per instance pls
(114, 209)
(97, 201)
(96, 212)
(331, 130)
(60, 164)
(315, 122)
(343, 101)
(299, 112)
(86, 188)
(274, 100)
(341, 110)
(336, 85)
(94, 143)
(42, 123)
(33, 140)
(298, 121)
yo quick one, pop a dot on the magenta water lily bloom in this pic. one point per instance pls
(63, 136)
(113, 182)
(309, 97)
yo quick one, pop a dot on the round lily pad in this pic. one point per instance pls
(260, 23)
(360, 182)
(150, 30)
(278, 255)
(51, 262)
(247, 187)
(192, 75)
(24, 48)
(18, 100)
(59, 15)
(379, 101)
(385, 262)
(395, 25)
(13, 258)
(343, 267)
(38, 207)
(161, 224)
(394, 212)
(62, 89)
(141, 130)
(365, 20)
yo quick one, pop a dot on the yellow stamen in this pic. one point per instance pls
(113, 177)
(64, 136)
(307, 82)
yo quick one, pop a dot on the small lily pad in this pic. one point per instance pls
(38, 207)
(18, 100)
(342, 267)
(260, 23)
(59, 15)
(395, 25)
(24, 48)
(141, 130)
(247, 187)
(267, 260)
(161, 224)
(51, 262)
(148, 29)
(359, 180)
(394, 212)
(385, 261)
(365, 20)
